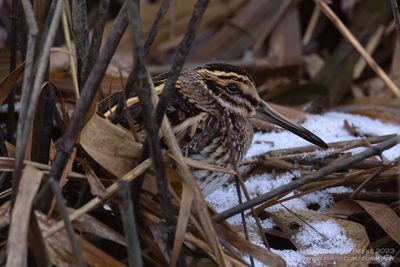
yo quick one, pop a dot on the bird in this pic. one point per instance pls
(224, 98)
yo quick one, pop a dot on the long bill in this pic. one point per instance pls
(265, 112)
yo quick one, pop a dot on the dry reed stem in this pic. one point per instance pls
(43, 167)
(152, 145)
(337, 145)
(28, 79)
(71, 54)
(170, 139)
(396, 14)
(15, 8)
(256, 218)
(311, 25)
(313, 177)
(62, 209)
(206, 248)
(325, 182)
(370, 48)
(206, 166)
(97, 35)
(17, 239)
(32, 85)
(188, 178)
(183, 219)
(360, 49)
(95, 202)
(365, 182)
(84, 103)
(130, 225)
(200, 203)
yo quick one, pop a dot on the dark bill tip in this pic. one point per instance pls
(265, 112)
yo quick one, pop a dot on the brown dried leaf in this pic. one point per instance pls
(111, 146)
(37, 244)
(157, 238)
(4, 214)
(7, 84)
(240, 32)
(237, 240)
(216, 11)
(63, 82)
(96, 187)
(17, 239)
(384, 216)
(171, 29)
(60, 248)
(375, 109)
(6, 162)
(381, 213)
(89, 224)
(206, 248)
(183, 218)
(10, 149)
(291, 223)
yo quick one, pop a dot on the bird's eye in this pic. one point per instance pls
(233, 88)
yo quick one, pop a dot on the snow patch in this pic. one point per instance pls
(330, 128)
(329, 237)
(323, 237)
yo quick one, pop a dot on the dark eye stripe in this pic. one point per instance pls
(222, 92)
(213, 86)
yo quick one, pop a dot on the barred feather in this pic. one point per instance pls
(223, 136)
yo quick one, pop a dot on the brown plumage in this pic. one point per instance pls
(226, 98)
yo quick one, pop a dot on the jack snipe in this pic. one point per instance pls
(227, 97)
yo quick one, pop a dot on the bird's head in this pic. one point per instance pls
(231, 87)
(235, 91)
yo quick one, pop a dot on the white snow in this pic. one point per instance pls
(323, 237)
(324, 197)
(382, 259)
(330, 128)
